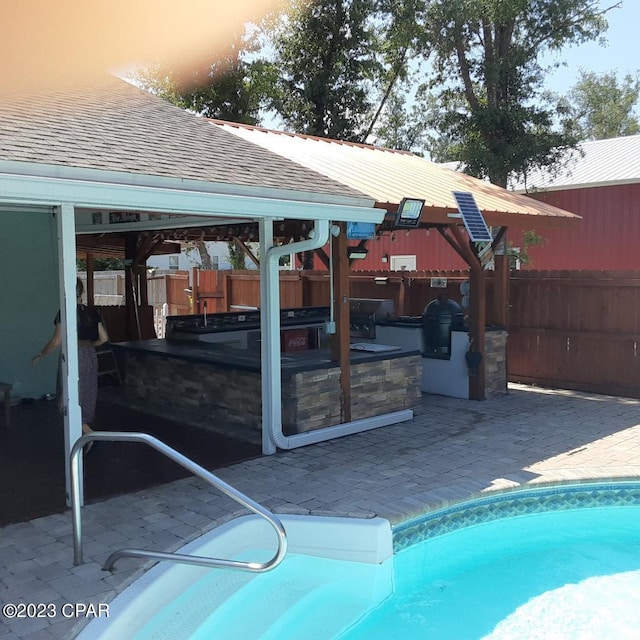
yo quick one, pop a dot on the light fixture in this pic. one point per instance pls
(408, 214)
(357, 253)
(381, 280)
(385, 257)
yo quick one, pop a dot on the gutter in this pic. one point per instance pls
(272, 434)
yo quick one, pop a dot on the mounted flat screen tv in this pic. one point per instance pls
(408, 215)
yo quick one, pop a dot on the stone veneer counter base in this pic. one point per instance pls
(219, 387)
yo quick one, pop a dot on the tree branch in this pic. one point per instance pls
(387, 93)
(465, 71)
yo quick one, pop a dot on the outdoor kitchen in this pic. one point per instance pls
(207, 371)
(441, 335)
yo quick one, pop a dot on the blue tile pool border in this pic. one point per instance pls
(516, 502)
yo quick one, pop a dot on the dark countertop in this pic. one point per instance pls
(410, 322)
(229, 357)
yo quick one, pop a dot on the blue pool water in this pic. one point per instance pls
(545, 563)
(567, 574)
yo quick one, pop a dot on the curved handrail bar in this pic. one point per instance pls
(196, 469)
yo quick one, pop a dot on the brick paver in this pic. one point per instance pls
(453, 450)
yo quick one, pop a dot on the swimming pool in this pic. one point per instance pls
(531, 563)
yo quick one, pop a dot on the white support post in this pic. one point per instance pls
(67, 278)
(271, 375)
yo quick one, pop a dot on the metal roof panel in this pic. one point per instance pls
(388, 175)
(594, 163)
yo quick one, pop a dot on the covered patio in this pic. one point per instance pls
(106, 158)
(118, 167)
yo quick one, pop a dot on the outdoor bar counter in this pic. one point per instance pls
(218, 386)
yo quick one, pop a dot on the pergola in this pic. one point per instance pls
(388, 176)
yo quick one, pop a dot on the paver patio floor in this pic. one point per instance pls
(452, 450)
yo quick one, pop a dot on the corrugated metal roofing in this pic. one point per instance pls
(389, 175)
(115, 126)
(596, 163)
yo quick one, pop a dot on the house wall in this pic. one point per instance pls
(30, 299)
(606, 238)
(429, 247)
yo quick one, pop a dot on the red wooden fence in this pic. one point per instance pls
(567, 329)
(410, 290)
(576, 330)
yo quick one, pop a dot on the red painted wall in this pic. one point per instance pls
(607, 237)
(430, 249)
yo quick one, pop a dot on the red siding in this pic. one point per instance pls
(430, 249)
(607, 237)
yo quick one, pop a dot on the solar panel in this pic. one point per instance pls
(472, 217)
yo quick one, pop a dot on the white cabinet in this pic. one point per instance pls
(443, 377)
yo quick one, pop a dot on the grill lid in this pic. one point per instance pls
(376, 308)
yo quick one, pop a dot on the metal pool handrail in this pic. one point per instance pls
(196, 469)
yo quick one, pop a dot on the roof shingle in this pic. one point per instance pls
(119, 127)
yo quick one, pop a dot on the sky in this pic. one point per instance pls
(618, 54)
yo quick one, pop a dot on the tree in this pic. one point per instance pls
(326, 57)
(486, 56)
(603, 106)
(229, 87)
(401, 127)
(237, 256)
(204, 260)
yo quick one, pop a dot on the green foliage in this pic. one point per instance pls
(488, 78)
(237, 256)
(326, 59)
(603, 106)
(401, 128)
(230, 87)
(529, 239)
(101, 264)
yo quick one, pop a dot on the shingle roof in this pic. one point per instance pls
(596, 163)
(115, 126)
(389, 175)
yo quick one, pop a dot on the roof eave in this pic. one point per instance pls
(178, 198)
(130, 179)
(434, 215)
(532, 191)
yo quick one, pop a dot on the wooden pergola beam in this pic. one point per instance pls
(478, 310)
(243, 247)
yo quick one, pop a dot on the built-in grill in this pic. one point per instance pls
(365, 312)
